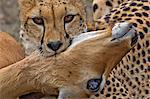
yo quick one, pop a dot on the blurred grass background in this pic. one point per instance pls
(9, 18)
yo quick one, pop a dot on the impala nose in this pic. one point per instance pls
(54, 45)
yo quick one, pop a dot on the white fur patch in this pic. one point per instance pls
(103, 82)
(83, 37)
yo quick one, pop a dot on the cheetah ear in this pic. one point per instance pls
(26, 4)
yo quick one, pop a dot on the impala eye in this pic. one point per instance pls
(38, 20)
(93, 85)
(68, 18)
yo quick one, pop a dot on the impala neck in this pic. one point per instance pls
(13, 82)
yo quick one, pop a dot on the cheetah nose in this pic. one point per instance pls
(54, 45)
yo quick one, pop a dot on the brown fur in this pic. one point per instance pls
(10, 50)
(53, 13)
(71, 69)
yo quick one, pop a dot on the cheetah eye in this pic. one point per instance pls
(93, 85)
(38, 20)
(68, 18)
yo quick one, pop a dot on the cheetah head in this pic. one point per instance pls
(50, 25)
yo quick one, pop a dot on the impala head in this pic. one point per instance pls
(95, 55)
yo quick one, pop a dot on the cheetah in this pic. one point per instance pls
(131, 78)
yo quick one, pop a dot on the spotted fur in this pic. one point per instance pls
(131, 78)
(103, 7)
